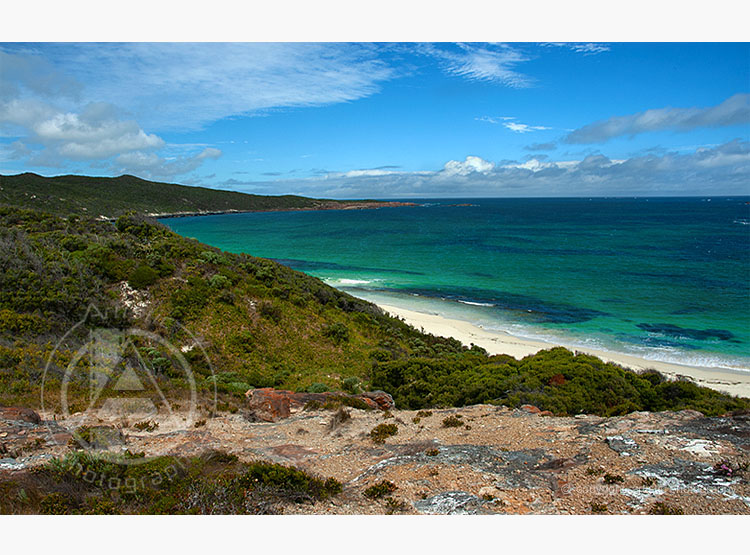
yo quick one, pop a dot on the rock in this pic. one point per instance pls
(687, 413)
(271, 405)
(531, 409)
(382, 399)
(450, 503)
(546, 413)
(292, 452)
(20, 414)
(625, 446)
(10, 464)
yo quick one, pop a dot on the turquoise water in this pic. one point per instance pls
(665, 279)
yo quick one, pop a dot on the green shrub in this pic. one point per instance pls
(289, 480)
(381, 489)
(337, 332)
(212, 257)
(219, 281)
(55, 504)
(351, 385)
(317, 388)
(142, 277)
(453, 421)
(393, 506)
(598, 508)
(270, 311)
(661, 508)
(382, 431)
(146, 426)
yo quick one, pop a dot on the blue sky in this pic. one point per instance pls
(392, 120)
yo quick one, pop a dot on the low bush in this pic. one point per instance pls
(383, 431)
(213, 483)
(337, 332)
(381, 489)
(317, 388)
(661, 508)
(142, 277)
(452, 421)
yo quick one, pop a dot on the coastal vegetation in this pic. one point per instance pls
(242, 322)
(556, 380)
(214, 483)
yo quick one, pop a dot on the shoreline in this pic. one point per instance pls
(325, 205)
(734, 382)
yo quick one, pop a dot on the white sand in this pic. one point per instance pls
(495, 342)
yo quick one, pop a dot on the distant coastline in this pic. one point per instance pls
(333, 205)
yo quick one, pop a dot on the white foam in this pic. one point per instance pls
(476, 304)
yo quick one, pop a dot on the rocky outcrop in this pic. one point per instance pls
(501, 461)
(19, 414)
(271, 405)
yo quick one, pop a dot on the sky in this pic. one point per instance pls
(385, 120)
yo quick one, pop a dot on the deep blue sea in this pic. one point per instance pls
(662, 278)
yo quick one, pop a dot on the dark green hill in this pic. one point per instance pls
(114, 196)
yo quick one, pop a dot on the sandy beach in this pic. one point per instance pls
(720, 379)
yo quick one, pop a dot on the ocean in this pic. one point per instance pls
(664, 279)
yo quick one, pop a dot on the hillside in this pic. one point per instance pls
(113, 196)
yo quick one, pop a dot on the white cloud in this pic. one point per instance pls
(733, 111)
(163, 86)
(362, 173)
(36, 74)
(524, 128)
(585, 48)
(153, 166)
(482, 62)
(472, 164)
(187, 86)
(507, 122)
(93, 134)
(495, 119)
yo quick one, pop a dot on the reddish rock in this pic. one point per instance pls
(382, 399)
(546, 413)
(20, 413)
(531, 409)
(272, 405)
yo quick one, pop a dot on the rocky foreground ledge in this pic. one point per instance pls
(481, 459)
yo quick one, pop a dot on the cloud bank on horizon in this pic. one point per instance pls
(669, 174)
(385, 120)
